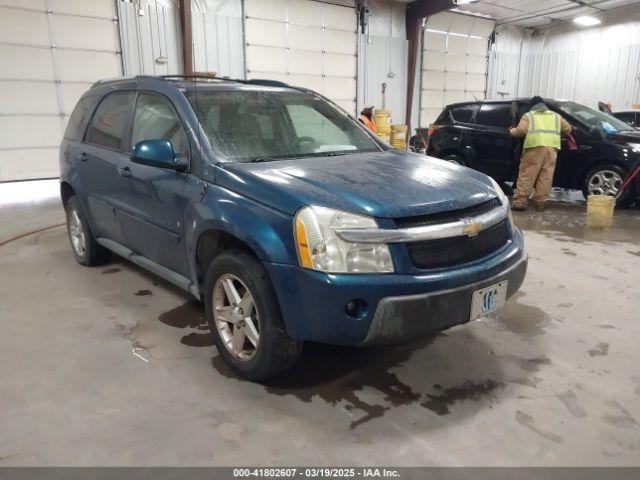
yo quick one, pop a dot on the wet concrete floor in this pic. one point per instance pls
(112, 366)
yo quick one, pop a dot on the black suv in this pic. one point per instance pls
(476, 134)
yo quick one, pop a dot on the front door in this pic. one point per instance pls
(152, 222)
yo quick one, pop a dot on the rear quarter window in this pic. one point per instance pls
(494, 115)
(77, 118)
(463, 113)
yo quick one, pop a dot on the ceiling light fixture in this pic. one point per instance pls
(463, 2)
(587, 21)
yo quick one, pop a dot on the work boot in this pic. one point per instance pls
(518, 207)
(540, 207)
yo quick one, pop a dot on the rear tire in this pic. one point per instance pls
(85, 249)
(606, 180)
(253, 341)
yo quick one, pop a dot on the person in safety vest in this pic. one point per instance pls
(366, 118)
(542, 130)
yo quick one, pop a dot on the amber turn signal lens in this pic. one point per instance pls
(303, 245)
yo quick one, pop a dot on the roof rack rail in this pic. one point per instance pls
(203, 75)
(265, 82)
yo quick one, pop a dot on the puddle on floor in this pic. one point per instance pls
(189, 315)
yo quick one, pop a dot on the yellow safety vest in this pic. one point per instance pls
(544, 130)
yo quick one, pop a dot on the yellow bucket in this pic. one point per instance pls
(600, 211)
(382, 118)
(398, 133)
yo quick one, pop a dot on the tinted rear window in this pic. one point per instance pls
(463, 113)
(109, 122)
(494, 115)
(77, 118)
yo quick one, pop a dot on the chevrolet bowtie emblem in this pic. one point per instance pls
(471, 228)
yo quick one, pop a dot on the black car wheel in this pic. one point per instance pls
(83, 244)
(606, 180)
(244, 317)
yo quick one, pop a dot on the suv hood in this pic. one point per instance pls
(389, 184)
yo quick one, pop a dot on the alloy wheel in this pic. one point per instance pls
(604, 182)
(76, 233)
(236, 317)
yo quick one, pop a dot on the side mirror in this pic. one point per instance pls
(157, 153)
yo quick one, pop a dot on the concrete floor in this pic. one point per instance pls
(111, 366)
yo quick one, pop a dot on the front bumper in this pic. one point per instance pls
(403, 317)
(398, 307)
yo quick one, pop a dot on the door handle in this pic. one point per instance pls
(83, 157)
(124, 171)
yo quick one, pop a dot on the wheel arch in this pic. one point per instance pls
(211, 243)
(66, 192)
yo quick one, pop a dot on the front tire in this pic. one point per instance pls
(85, 249)
(245, 319)
(606, 180)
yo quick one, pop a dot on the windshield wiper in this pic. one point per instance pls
(337, 154)
(263, 159)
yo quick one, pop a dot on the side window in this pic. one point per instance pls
(494, 115)
(312, 124)
(77, 118)
(155, 119)
(463, 113)
(109, 121)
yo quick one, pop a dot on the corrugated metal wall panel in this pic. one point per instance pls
(217, 37)
(382, 58)
(51, 51)
(587, 65)
(150, 37)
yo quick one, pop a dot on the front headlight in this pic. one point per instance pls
(503, 198)
(320, 248)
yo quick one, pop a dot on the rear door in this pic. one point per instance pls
(490, 142)
(101, 162)
(152, 219)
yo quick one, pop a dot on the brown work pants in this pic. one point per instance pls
(536, 172)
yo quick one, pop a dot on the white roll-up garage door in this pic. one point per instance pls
(305, 43)
(454, 62)
(50, 53)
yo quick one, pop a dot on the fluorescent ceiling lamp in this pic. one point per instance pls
(463, 2)
(587, 21)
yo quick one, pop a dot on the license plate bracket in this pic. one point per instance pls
(488, 299)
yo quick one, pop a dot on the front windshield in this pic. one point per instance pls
(245, 125)
(594, 118)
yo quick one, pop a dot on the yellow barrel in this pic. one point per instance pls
(600, 211)
(382, 118)
(385, 137)
(399, 136)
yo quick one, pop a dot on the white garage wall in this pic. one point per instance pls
(454, 62)
(50, 53)
(382, 58)
(150, 37)
(217, 37)
(586, 65)
(305, 43)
